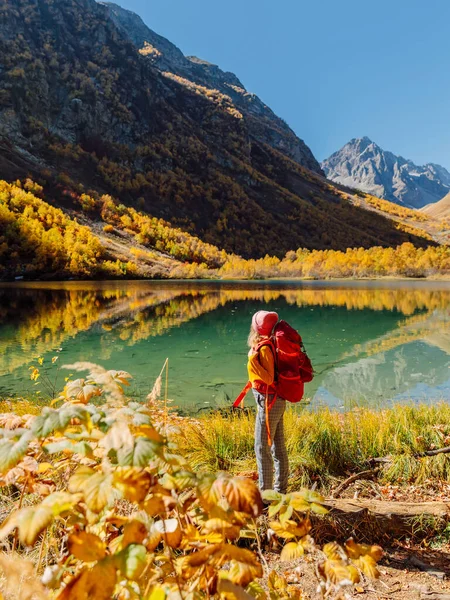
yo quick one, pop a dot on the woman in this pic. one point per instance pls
(269, 429)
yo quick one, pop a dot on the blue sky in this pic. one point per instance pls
(332, 69)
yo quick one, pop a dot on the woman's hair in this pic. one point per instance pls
(254, 337)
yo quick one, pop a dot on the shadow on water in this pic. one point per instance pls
(370, 342)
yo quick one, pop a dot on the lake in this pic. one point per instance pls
(371, 343)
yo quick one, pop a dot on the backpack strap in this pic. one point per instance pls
(242, 395)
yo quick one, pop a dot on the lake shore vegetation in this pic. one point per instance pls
(107, 240)
(99, 502)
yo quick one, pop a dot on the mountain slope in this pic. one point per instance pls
(364, 165)
(81, 109)
(439, 210)
(262, 123)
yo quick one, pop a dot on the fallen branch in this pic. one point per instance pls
(416, 562)
(388, 459)
(370, 474)
(445, 450)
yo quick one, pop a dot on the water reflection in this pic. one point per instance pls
(368, 343)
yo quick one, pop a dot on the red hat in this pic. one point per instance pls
(264, 321)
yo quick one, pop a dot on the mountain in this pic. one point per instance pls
(439, 210)
(364, 165)
(262, 122)
(85, 110)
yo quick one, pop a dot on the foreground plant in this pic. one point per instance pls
(115, 512)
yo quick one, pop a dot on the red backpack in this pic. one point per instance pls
(292, 365)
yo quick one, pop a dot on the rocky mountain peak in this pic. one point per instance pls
(362, 164)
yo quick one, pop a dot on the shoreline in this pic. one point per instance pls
(386, 278)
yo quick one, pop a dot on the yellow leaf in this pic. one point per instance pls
(30, 522)
(170, 531)
(337, 572)
(299, 503)
(134, 532)
(333, 551)
(44, 467)
(80, 391)
(217, 525)
(150, 432)
(292, 550)
(154, 506)
(157, 593)
(132, 482)
(98, 582)
(86, 546)
(188, 565)
(318, 509)
(355, 550)
(276, 582)
(153, 540)
(96, 488)
(230, 591)
(242, 573)
(241, 493)
(367, 565)
(290, 529)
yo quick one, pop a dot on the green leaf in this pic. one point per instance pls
(271, 496)
(51, 420)
(12, 451)
(180, 481)
(275, 508)
(131, 561)
(285, 514)
(309, 496)
(95, 486)
(256, 590)
(140, 454)
(61, 502)
(57, 447)
(318, 509)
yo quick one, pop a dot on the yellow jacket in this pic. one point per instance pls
(261, 369)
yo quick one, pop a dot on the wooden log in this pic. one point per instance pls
(382, 508)
(368, 519)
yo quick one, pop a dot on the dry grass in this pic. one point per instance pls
(324, 445)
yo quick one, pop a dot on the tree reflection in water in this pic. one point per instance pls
(396, 337)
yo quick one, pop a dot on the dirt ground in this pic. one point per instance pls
(411, 569)
(399, 578)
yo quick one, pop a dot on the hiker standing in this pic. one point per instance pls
(270, 445)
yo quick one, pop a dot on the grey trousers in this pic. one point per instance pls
(267, 456)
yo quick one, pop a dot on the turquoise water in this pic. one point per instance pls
(370, 343)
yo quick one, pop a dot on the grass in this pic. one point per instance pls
(325, 445)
